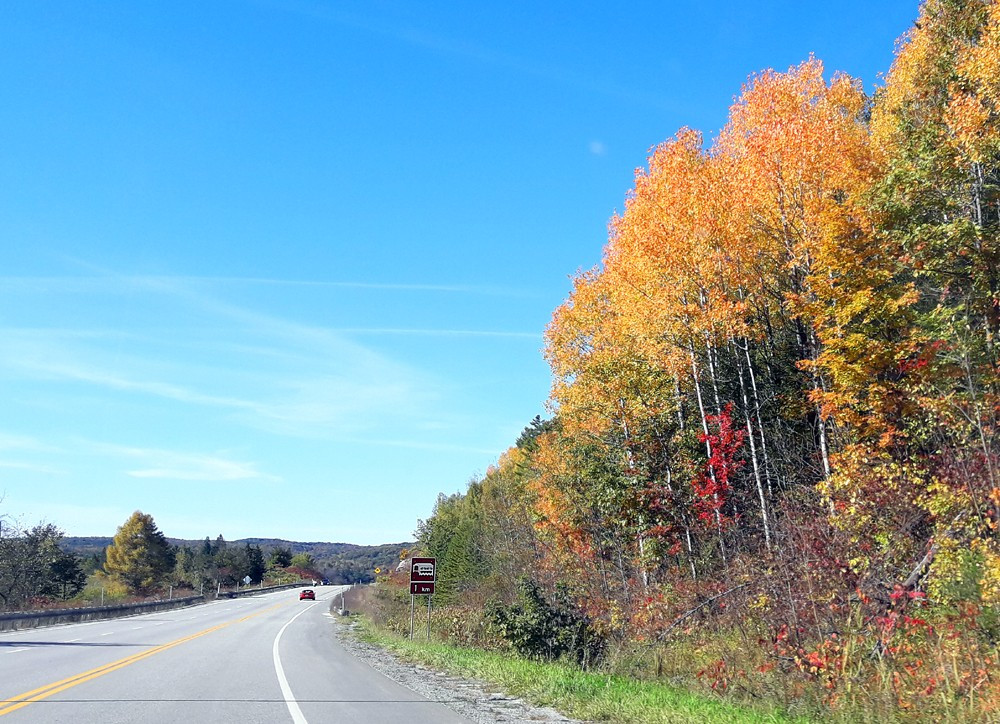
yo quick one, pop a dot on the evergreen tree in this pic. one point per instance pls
(66, 576)
(255, 562)
(281, 557)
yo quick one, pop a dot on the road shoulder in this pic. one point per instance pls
(473, 699)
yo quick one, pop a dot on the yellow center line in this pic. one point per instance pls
(43, 692)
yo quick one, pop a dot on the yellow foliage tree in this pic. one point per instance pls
(139, 554)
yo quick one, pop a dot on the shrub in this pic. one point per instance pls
(545, 629)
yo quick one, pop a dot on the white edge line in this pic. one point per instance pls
(286, 690)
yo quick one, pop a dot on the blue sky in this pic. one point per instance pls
(281, 269)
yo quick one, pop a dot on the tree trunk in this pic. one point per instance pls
(753, 453)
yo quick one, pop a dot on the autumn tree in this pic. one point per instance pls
(304, 561)
(139, 554)
(937, 120)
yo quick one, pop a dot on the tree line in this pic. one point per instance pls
(139, 562)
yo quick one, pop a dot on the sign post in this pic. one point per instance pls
(423, 576)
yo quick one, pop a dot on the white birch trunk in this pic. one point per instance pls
(753, 454)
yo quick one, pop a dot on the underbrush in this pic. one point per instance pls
(912, 662)
(941, 677)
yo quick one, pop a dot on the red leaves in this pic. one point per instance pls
(718, 675)
(712, 487)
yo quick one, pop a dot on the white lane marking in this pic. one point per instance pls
(71, 641)
(109, 633)
(286, 690)
(134, 628)
(14, 651)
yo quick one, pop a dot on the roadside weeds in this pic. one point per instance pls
(589, 696)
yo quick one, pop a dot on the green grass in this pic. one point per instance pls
(583, 695)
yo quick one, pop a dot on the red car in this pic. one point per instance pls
(307, 594)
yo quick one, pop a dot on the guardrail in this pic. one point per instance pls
(248, 591)
(34, 619)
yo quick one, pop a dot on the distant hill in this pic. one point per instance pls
(340, 562)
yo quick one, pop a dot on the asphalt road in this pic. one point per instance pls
(269, 658)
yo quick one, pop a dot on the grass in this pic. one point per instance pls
(580, 694)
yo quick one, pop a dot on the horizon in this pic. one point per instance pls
(250, 539)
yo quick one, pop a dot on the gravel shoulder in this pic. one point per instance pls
(476, 700)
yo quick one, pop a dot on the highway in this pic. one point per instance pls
(268, 658)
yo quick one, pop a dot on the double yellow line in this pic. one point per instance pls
(43, 692)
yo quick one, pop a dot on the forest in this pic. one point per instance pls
(337, 562)
(771, 469)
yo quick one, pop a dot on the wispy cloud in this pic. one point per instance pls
(319, 393)
(437, 332)
(172, 465)
(417, 445)
(159, 389)
(86, 519)
(208, 359)
(303, 380)
(119, 283)
(482, 289)
(29, 467)
(204, 469)
(23, 442)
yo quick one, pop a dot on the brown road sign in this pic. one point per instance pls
(421, 589)
(423, 570)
